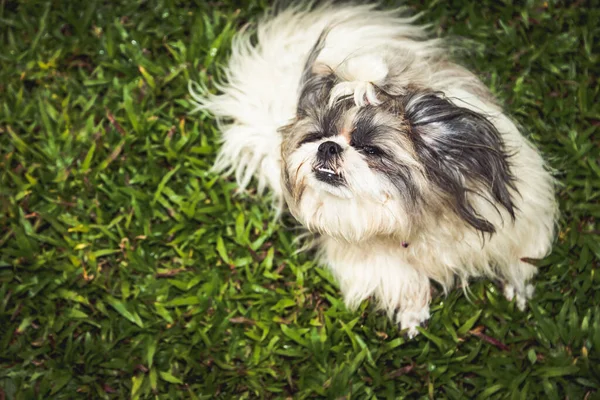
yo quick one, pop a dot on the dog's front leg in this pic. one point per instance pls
(383, 273)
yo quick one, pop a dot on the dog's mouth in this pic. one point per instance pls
(328, 175)
(325, 170)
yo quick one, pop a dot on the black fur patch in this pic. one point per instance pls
(366, 131)
(327, 121)
(457, 145)
(314, 93)
(365, 139)
(331, 179)
(314, 88)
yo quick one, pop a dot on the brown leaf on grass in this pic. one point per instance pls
(478, 332)
(16, 312)
(242, 320)
(401, 371)
(257, 257)
(280, 268)
(114, 123)
(115, 153)
(108, 389)
(381, 335)
(532, 261)
(171, 132)
(141, 367)
(170, 273)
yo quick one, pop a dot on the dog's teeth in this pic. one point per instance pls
(326, 170)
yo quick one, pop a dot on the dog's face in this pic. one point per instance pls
(352, 172)
(357, 171)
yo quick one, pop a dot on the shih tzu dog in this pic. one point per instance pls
(398, 159)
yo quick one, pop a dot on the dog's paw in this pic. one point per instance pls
(509, 292)
(521, 296)
(411, 319)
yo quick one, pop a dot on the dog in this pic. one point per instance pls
(398, 159)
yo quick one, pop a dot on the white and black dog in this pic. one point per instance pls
(397, 158)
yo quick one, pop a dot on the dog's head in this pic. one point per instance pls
(358, 168)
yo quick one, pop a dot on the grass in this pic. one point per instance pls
(129, 271)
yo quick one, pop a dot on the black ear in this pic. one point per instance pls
(315, 83)
(463, 153)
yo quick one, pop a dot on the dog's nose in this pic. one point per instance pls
(329, 149)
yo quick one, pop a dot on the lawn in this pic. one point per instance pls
(128, 270)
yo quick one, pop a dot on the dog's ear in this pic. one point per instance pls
(317, 80)
(463, 154)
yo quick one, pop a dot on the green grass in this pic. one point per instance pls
(129, 271)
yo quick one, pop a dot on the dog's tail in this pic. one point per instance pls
(260, 90)
(250, 147)
(257, 97)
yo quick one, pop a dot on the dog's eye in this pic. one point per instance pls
(311, 137)
(372, 150)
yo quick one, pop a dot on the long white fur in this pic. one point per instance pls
(260, 95)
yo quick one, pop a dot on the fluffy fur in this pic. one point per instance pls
(399, 159)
